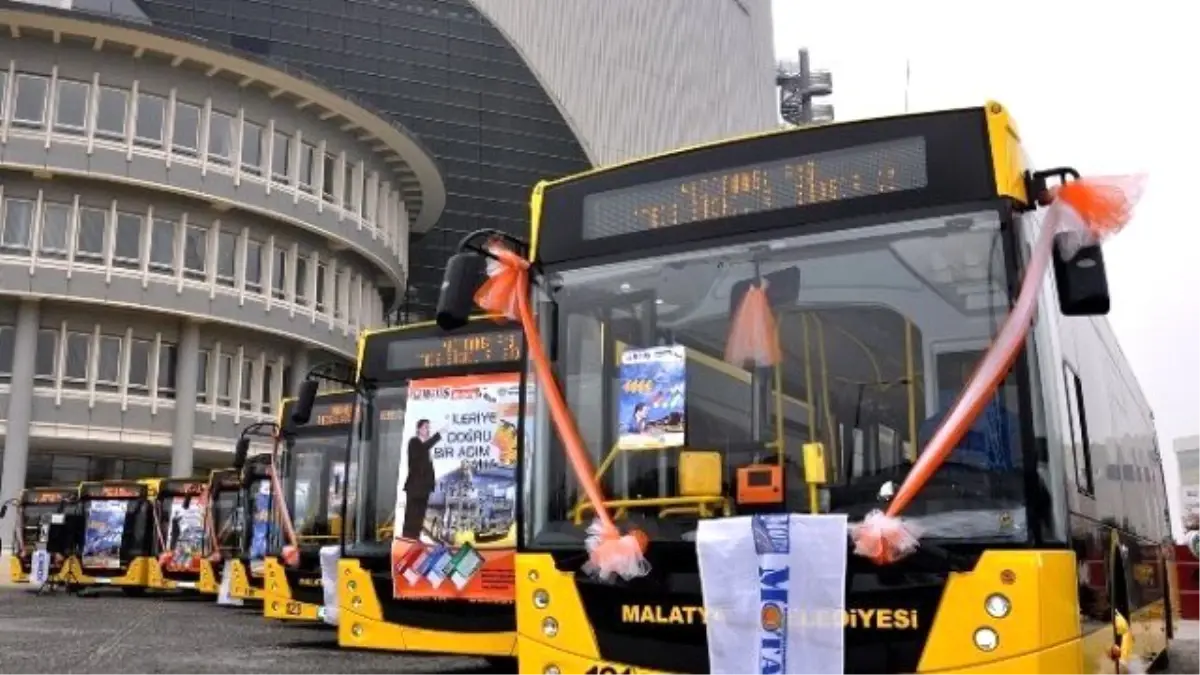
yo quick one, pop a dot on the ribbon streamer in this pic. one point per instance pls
(506, 293)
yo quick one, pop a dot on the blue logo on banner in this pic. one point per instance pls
(771, 533)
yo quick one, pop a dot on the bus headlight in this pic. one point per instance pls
(552, 670)
(986, 639)
(997, 606)
(541, 599)
(550, 626)
(352, 585)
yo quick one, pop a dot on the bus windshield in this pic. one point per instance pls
(31, 520)
(227, 519)
(879, 328)
(375, 455)
(315, 469)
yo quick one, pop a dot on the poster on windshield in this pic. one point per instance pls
(651, 405)
(456, 489)
(103, 534)
(186, 533)
(260, 529)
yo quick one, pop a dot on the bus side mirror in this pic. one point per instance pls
(302, 411)
(1082, 281)
(239, 453)
(464, 272)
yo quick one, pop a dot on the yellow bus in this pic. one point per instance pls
(116, 544)
(35, 508)
(313, 477)
(456, 395)
(887, 252)
(255, 509)
(181, 507)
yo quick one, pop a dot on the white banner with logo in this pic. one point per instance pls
(774, 593)
(329, 583)
(225, 592)
(39, 567)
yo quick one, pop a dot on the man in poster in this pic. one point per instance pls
(421, 479)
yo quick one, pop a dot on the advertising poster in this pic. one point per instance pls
(186, 533)
(260, 530)
(456, 497)
(651, 407)
(104, 532)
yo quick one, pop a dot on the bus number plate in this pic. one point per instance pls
(292, 608)
(608, 670)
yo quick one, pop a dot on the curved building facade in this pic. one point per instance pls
(184, 230)
(505, 92)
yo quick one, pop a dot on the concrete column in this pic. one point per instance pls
(300, 366)
(187, 371)
(20, 412)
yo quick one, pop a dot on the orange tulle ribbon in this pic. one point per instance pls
(290, 555)
(506, 293)
(1091, 210)
(753, 334)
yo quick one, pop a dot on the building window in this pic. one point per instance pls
(348, 187)
(167, 356)
(226, 258)
(267, 380)
(46, 359)
(7, 344)
(279, 282)
(195, 252)
(220, 138)
(254, 261)
(151, 117)
(302, 278)
(281, 159)
(287, 381)
(162, 245)
(3, 97)
(56, 219)
(308, 161)
(338, 302)
(320, 287)
(108, 369)
(111, 113)
(71, 110)
(202, 377)
(89, 241)
(18, 225)
(225, 380)
(139, 366)
(127, 251)
(247, 385)
(29, 109)
(185, 138)
(79, 350)
(330, 172)
(252, 150)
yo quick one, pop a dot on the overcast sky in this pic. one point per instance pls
(1088, 87)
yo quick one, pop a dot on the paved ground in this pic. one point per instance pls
(108, 633)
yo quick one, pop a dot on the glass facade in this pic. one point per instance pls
(438, 67)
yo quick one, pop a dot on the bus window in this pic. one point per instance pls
(1082, 452)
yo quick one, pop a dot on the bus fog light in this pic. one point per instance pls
(997, 606)
(352, 585)
(541, 599)
(986, 639)
(533, 576)
(356, 602)
(274, 606)
(356, 630)
(551, 670)
(550, 626)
